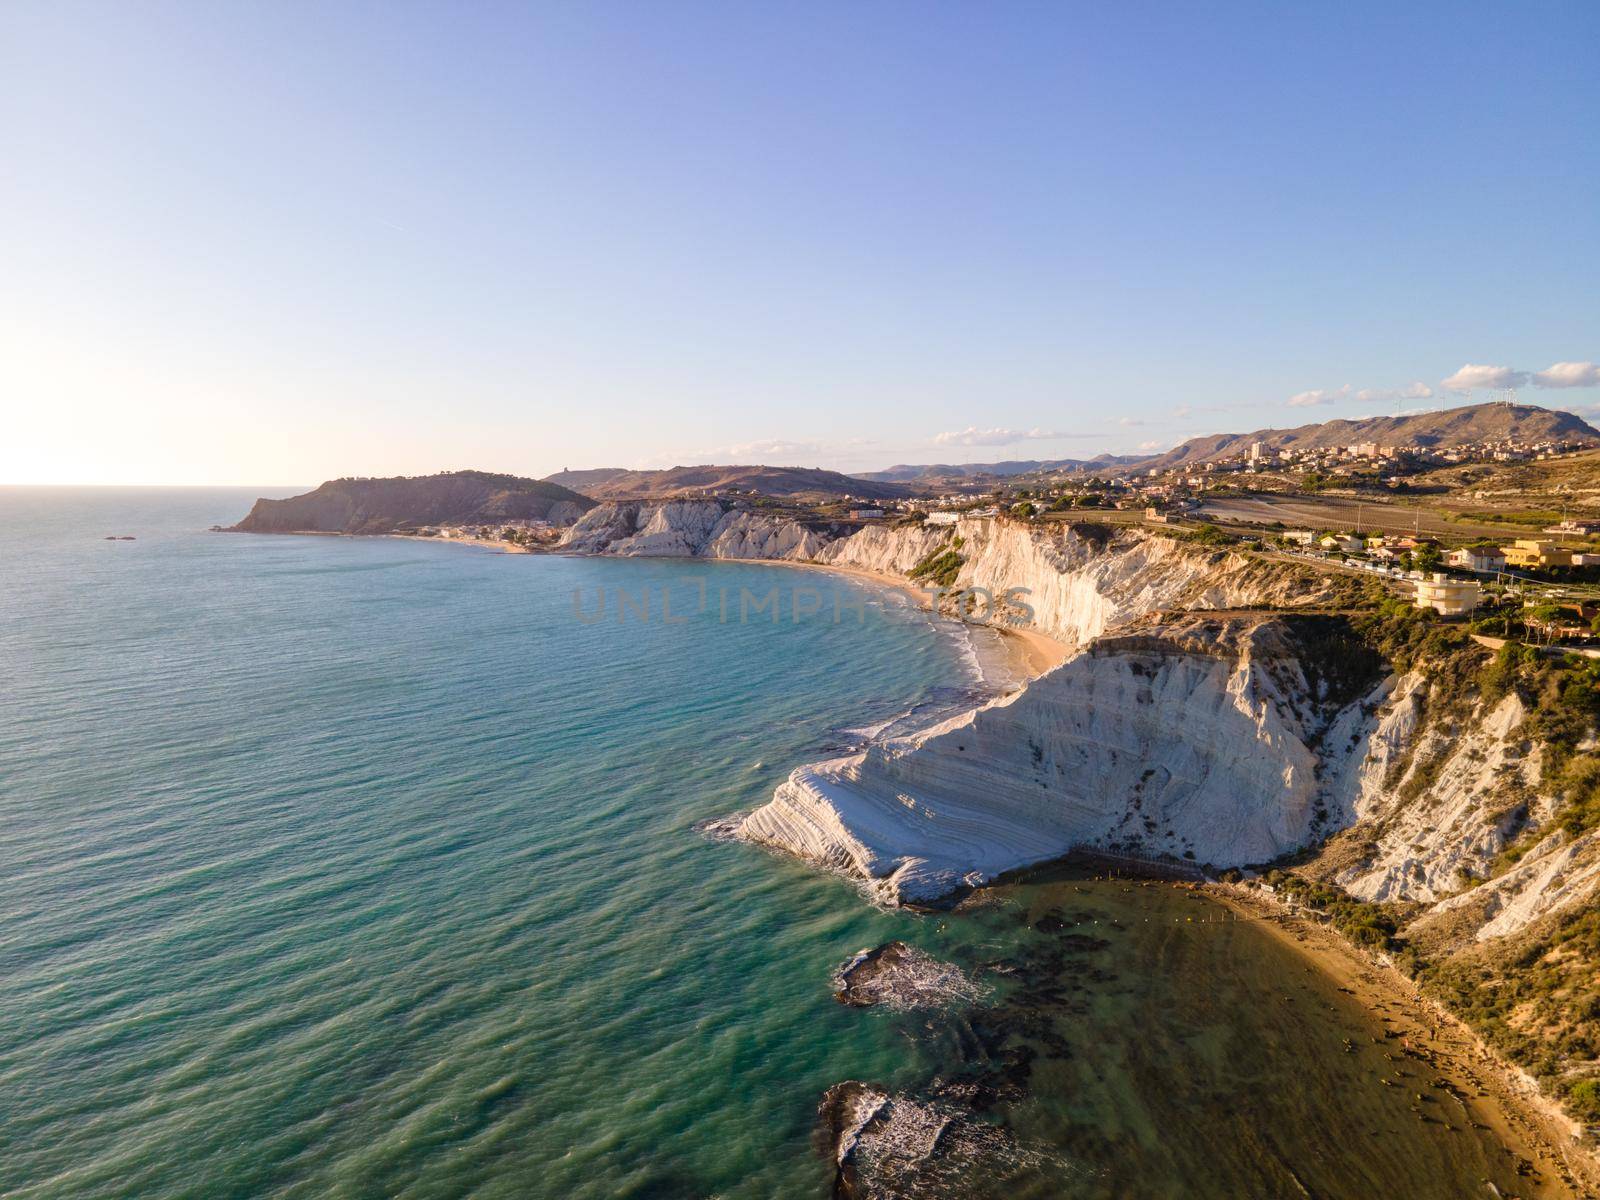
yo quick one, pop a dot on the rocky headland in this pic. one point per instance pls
(377, 506)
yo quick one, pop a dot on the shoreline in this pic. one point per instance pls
(1029, 653)
(1504, 1098)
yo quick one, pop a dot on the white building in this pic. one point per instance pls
(865, 514)
(942, 518)
(1448, 597)
(1486, 559)
(1350, 545)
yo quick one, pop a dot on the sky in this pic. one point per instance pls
(278, 242)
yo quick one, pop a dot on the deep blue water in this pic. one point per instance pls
(361, 867)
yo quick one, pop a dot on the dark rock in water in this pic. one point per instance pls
(1051, 922)
(902, 976)
(885, 1145)
(845, 1108)
(1083, 943)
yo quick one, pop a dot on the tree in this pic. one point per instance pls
(1545, 617)
(1428, 558)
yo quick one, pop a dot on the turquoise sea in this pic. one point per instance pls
(363, 867)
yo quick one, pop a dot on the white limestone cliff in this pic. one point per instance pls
(689, 529)
(1193, 742)
(1436, 801)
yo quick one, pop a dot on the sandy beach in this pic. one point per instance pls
(1029, 652)
(485, 543)
(1428, 1041)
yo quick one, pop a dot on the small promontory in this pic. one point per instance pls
(404, 502)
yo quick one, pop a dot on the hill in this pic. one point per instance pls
(582, 481)
(385, 505)
(956, 475)
(1453, 427)
(808, 483)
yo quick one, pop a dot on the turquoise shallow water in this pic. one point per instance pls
(360, 867)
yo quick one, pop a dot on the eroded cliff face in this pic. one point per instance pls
(1438, 799)
(1202, 740)
(689, 529)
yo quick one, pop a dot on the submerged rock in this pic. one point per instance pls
(891, 1145)
(903, 977)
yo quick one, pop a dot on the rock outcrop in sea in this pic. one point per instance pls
(899, 976)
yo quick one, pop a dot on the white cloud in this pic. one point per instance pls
(1152, 445)
(1318, 396)
(1568, 375)
(1412, 391)
(973, 436)
(762, 450)
(771, 447)
(1473, 377)
(1129, 422)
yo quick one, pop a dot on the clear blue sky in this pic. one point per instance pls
(273, 242)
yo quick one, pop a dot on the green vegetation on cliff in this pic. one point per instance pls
(939, 566)
(1537, 1000)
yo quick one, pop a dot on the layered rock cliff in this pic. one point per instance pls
(1216, 739)
(1453, 808)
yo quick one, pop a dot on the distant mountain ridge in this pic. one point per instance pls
(386, 505)
(613, 483)
(1438, 430)
(1441, 429)
(955, 473)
